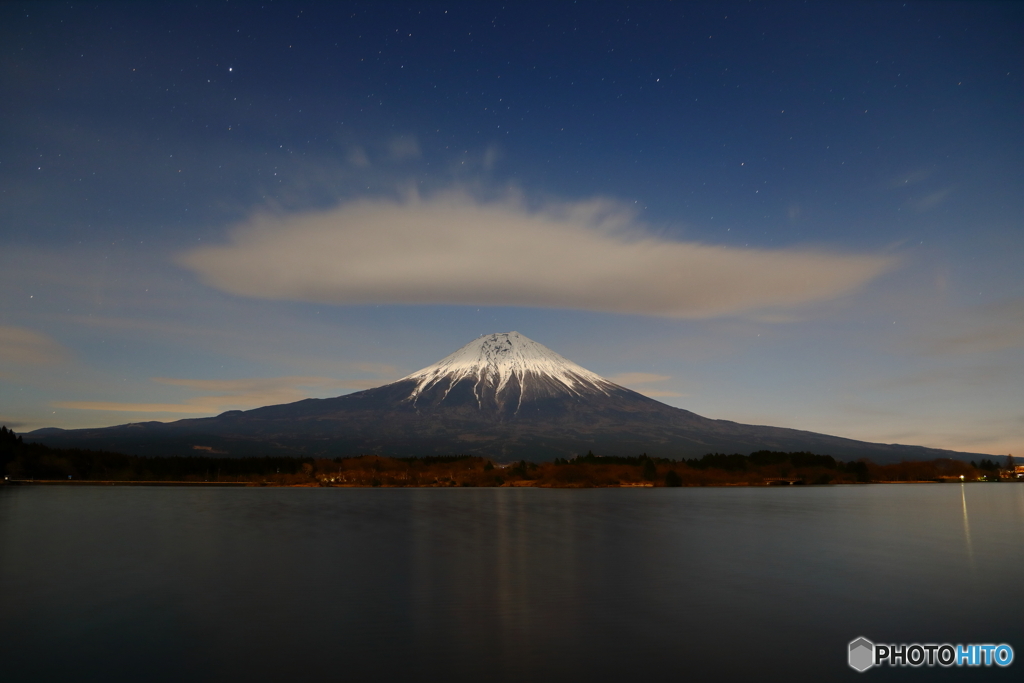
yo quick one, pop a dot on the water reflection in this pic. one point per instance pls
(504, 585)
(967, 527)
(493, 572)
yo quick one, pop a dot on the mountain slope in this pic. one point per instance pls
(502, 396)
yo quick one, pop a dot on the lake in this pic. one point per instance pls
(274, 584)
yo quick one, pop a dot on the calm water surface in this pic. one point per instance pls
(189, 584)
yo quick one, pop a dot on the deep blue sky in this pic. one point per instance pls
(795, 138)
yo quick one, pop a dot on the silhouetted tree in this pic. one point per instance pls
(859, 469)
(650, 472)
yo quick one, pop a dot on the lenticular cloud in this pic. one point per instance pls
(453, 250)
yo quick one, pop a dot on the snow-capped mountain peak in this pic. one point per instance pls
(507, 365)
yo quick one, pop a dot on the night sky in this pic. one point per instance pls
(805, 215)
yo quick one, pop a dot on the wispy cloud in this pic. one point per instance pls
(985, 329)
(404, 147)
(931, 200)
(975, 376)
(627, 378)
(638, 381)
(190, 408)
(234, 394)
(22, 346)
(357, 157)
(264, 386)
(454, 250)
(380, 369)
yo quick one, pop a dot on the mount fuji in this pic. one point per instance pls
(502, 396)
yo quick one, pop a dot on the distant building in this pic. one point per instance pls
(1019, 471)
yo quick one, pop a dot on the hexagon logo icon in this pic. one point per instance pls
(862, 654)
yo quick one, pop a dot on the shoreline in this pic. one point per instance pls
(517, 484)
(25, 465)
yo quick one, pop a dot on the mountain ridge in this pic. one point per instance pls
(502, 396)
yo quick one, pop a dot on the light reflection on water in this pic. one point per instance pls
(967, 525)
(499, 584)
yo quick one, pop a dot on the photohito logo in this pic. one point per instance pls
(863, 654)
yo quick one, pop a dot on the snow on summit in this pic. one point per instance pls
(499, 361)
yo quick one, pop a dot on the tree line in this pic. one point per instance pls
(20, 460)
(735, 462)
